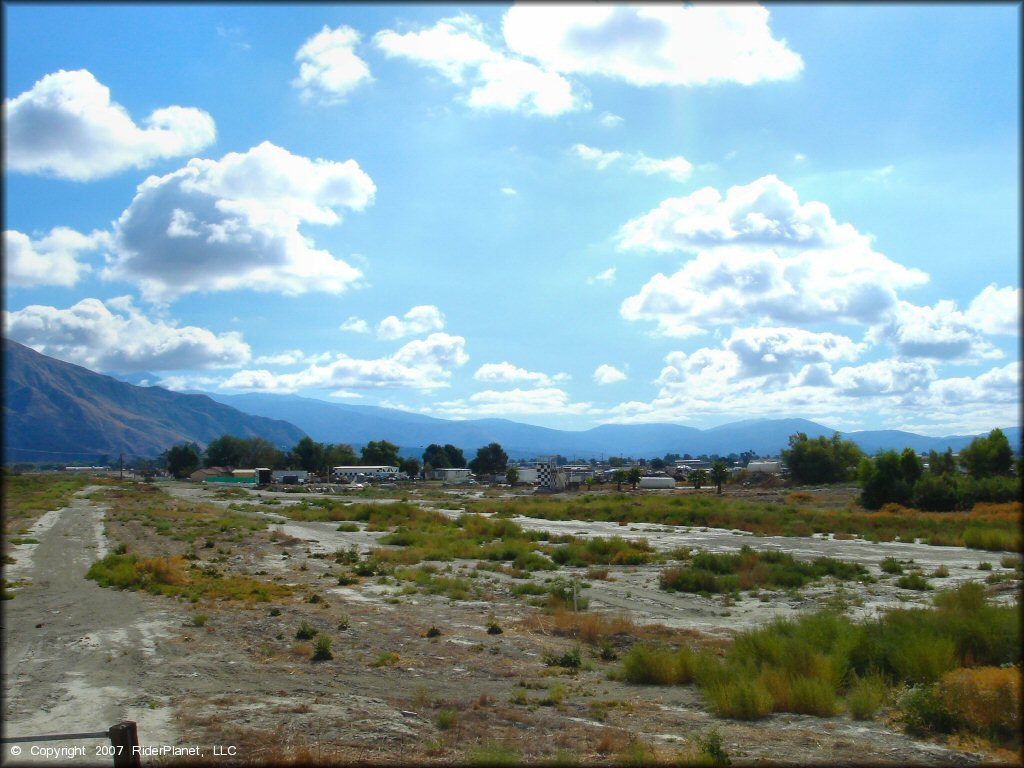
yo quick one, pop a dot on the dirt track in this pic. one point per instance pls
(80, 658)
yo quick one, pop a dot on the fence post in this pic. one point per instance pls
(124, 737)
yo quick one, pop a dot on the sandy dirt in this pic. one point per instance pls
(81, 658)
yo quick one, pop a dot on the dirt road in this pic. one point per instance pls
(79, 658)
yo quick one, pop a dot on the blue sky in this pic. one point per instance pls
(562, 216)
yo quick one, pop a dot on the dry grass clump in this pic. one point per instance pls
(170, 576)
(591, 628)
(984, 700)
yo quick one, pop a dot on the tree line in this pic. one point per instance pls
(983, 471)
(318, 458)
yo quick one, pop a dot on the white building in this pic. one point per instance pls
(527, 474)
(355, 474)
(766, 467)
(451, 475)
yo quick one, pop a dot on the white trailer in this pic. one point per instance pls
(656, 482)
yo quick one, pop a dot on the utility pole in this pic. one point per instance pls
(120, 463)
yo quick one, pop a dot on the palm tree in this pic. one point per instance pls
(719, 474)
(698, 477)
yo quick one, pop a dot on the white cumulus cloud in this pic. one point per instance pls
(92, 335)
(599, 158)
(459, 49)
(421, 364)
(506, 373)
(941, 332)
(659, 44)
(355, 325)
(550, 400)
(608, 374)
(676, 168)
(67, 126)
(996, 311)
(329, 69)
(218, 225)
(53, 259)
(419, 319)
(760, 254)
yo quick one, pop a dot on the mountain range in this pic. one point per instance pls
(358, 424)
(57, 411)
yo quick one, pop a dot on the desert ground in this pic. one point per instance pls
(415, 678)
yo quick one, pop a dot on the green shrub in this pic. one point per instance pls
(492, 754)
(305, 632)
(891, 565)
(920, 657)
(652, 665)
(446, 718)
(385, 659)
(199, 620)
(710, 747)
(913, 581)
(569, 659)
(322, 648)
(923, 713)
(812, 696)
(740, 696)
(865, 696)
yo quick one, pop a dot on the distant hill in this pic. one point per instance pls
(65, 413)
(358, 424)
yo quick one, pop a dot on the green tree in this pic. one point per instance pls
(511, 475)
(309, 454)
(911, 466)
(411, 467)
(183, 460)
(719, 474)
(436, 457)
(883, 481)
(341, 455)
(382, 453)
(615, 461)
(941, 463)
(261, 453)
(455, 457)
(490, 460)
(812, 462)
(698, 477)
(657, 464)
(633, 475)
(936, 493)
(988, 456)
(619, 476)
(225, 451)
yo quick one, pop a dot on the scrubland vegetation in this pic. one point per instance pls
(28, 496)
(951, 668)
(172, 576)
(988, 526)
(709, 572)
